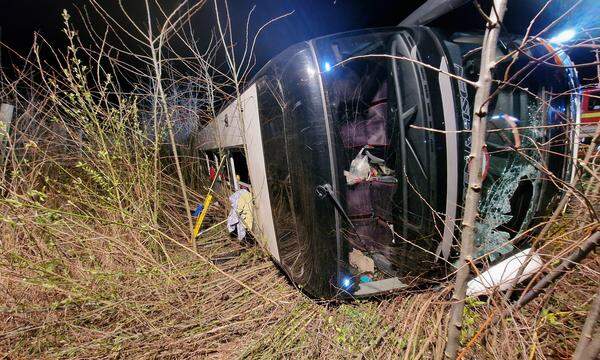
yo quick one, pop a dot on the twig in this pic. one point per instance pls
(577, 256)
(567, 264)
(563, 202)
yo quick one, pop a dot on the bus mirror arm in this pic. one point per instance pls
(326, 191)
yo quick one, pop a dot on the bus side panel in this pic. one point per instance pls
(264, 228)
(224, 131)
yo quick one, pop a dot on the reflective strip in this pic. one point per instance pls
(590, 115)
(451, 158)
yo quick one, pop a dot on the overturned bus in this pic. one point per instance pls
(355, 150)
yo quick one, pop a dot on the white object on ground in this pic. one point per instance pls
(502, 275)
(240, 217)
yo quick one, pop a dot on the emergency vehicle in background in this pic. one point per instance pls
(590, 112)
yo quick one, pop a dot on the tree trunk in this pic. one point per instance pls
(591, 351)
(480, 108)
(588, 327)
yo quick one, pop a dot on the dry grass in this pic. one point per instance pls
(101, 294)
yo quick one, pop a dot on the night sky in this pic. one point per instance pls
(311, 18)
(19, 19)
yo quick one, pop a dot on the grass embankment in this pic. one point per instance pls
(106, 286)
